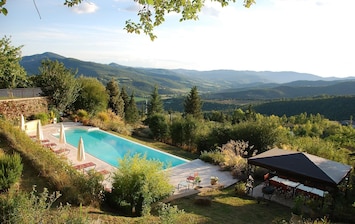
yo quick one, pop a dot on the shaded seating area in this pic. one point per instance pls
(298, 173)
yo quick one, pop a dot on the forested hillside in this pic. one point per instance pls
(290, 90)
(179, 81)
(334, 108)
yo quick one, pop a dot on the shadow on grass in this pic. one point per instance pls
(226, 207)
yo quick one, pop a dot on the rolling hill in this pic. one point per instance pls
(216, 84)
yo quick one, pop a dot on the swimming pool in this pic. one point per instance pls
(109, 148)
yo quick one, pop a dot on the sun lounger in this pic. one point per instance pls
(104, 172)
(85, 165)
(60, 151)
(50, 145)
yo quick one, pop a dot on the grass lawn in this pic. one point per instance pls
(226, 207)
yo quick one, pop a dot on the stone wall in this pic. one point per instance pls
(13, 108)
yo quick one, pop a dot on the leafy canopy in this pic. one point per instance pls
(92, 95)
(152, 13)
(58, 83)
(12, 74)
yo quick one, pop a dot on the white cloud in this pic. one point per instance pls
(85, 8)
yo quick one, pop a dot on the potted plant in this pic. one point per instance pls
(197, 180)
(214, 180)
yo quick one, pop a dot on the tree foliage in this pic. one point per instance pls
(12, 74)
(152, 13)
(193, 104)
(92, 96)
(115, 102)
(159, 127)
(3, 10)
(131, 113)
(58, 83)
(125, 98)
(10, 170)
(139, 183)
(155, 103)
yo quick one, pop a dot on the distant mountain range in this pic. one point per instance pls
(216, 84)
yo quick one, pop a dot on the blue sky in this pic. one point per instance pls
(312, 36)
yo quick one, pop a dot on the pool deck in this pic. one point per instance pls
(177, 174)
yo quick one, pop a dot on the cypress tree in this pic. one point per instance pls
(125, 98)
(116, 102)
(131, 114)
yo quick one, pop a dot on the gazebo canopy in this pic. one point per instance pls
(302, 166)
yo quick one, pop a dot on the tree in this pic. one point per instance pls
(159, 127)
(115, 102)
(12, 74)
(155, 105)
(92, 95)
(139, 182)
(125, 98)
(238, 116)
(3, 10)
(10, 170)
(58, 83)
(177, 132)
(152, 13)
(193, 104)
(131, 114)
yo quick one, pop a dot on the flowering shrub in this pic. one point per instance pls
(213, 178)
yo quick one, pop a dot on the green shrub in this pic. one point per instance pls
(103, 116)
(214, 157)
(169, 214)
(35, 207)
(240, 188)
(44, 117)
(10, 170)
(138, 184)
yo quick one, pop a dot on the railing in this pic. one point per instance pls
(20, 92)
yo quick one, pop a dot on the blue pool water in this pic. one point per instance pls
(110, 148)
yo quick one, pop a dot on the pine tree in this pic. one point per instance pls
(193, 104)
(131, 114)
(116, 102)
(155, 105)
(125, 98)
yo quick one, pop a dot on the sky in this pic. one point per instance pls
(309, 36)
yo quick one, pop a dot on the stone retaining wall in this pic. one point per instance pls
(13, 108)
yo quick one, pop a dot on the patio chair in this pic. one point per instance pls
(183, 184)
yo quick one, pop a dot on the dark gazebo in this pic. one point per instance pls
(303, 167)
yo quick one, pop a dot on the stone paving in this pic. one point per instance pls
(177, 174)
